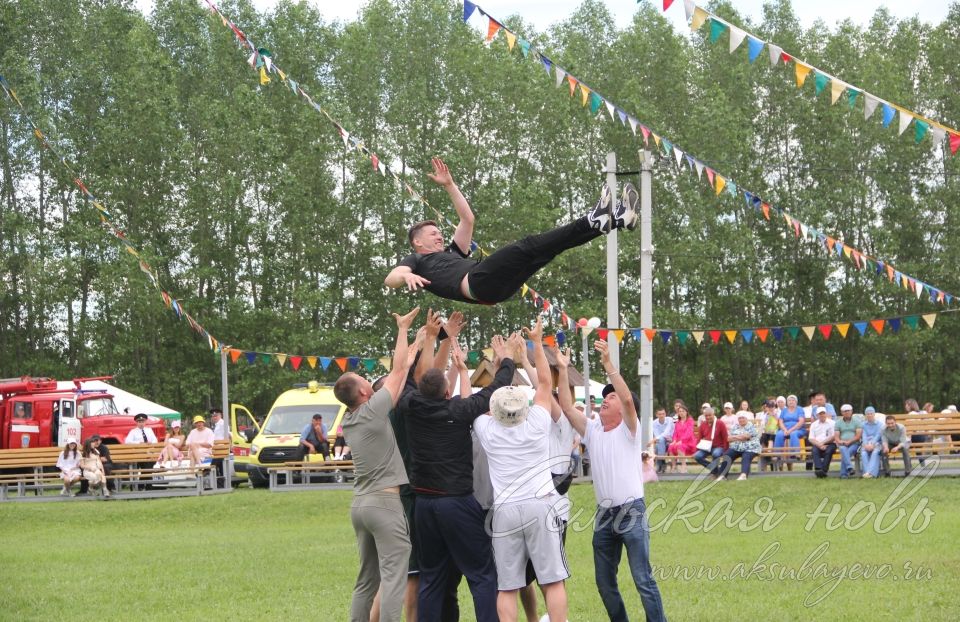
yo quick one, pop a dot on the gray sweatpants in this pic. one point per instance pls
(384, 543)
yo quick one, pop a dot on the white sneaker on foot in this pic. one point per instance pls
(625, 213)
(742, 477)
(601, 216)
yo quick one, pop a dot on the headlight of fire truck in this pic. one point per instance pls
(254, 450)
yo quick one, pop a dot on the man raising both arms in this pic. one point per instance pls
(448, 271)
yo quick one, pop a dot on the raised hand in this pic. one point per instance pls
(441, 174)
(455, 324)
(404, 322)
(434, 323)
(459, 360)
(604, 349)
(516, 343)
(562, 356)
(535, 333)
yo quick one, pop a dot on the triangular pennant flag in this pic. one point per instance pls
(353, 362)
(836, 90)
(492, 28)
(843, 328)
(762, 333)
(825, 330)
(699, 17)
(295, 362)
(688, 8)
(251, 357)
(468, 8)
(766, 210)
(646, 133)
(894, 324)
(731, 335)
(775, 52)
(754, 47)
(736, 38)
(852, 96)
(721, 182)
(623, 116)
(929, 318)
(649, 333)
(869, 105)
(888, 114)
(665, 336)
(610, 109)
(325, 362)
(341, 362)
(878, 325)
(716, 29)
(682, 336)
(808, 331)
(369, 364)
(920, 129)
(710, 175)
(633, 125)
(777, 334)
(793, 331)
(679, 155)
(603, 333)
(937, 134)
(618, 333)
(666, 4)
(667, 146)
(820, 81)
(954, 143)
(312, 361)
(264, 78)
(697, 334)
(235, 355)
(266, 358)
(282, 359)
(595, 102)
(801, 72)
(636, 333)
(546, 63)
(905, 120)
(561, 74)
(747, 335)
(584, 94)
(387, 363)
(525, 47)
(511, 41)
(715, 335)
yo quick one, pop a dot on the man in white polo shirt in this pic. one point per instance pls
(524, 523)
(615, 446)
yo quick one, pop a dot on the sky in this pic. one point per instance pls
(543, 13)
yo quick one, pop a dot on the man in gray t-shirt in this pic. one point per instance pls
(377, 515)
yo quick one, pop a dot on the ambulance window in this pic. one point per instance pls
(244, 422)
(23, 410)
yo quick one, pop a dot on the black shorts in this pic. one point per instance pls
(767, 437)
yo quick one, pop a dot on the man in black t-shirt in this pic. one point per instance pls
(448, 272)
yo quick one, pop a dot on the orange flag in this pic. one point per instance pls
(573, 84)
(312, 360)
(878, 325)
(492, 30)
(762, 333)
(342, 361)
(234, 355)
(649, 333)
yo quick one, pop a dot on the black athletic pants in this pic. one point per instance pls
(502, 274)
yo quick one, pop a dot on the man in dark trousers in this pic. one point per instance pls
(449, 520)
(448, 272)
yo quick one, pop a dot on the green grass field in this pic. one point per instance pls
(256, 555)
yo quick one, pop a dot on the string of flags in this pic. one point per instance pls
(261, 60)
(922, 126)
(719, 183)
(766, 334)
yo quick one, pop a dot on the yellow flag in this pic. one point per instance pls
(842, 329)
(836, 90)
(281, 358)
(511, 39)
(808, 331)
(656, 139)
(312, 361)
(282, 75)
(524, 290)
(699, 17)
(721, 182)
(619, 333)
(697, 334)
(802, 72)
(846, 251)
(264, 78)
(386, 362)
(584, 94)
(731, 335)
(930, 318)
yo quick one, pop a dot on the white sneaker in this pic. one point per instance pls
(625, 213)
(64, 492)
(601, 216)
(742, 477)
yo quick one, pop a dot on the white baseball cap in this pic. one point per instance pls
(846, 407)
(821, 409)
(728, 405)
(508, 405)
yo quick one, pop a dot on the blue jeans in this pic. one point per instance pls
(871, 460)
(661, 447)
(847, 452)
(795, 437)
(715, 466)
(614, 528)
(746, 459)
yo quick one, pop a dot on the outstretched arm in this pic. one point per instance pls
(430, 340)
(452, 328)
(619, 386)
(544, 384)
(403, 276)
(576, 418)
(464, 232)
(401, 359)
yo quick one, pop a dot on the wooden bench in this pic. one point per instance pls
(336, 471)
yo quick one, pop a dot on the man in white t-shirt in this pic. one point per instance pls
(620, 521)
(524, 524)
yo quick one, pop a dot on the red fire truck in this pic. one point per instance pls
(33, 413)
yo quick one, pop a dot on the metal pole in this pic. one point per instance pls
(645, 366)
(587, 401)
(613, 280)
(225, 406)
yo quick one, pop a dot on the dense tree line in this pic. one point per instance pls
(277, 239)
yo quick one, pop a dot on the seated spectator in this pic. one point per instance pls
(745, 409)
(92, 466)
(200, 442)
(69, 464)
(744, 444)
(872, 440)
(911, 407)
(106, 462)
(770, 422)
(677, 403)
(140, 432)
(684, 441)
(662, 435)
(171, 449)
(792, 425)
(728, 417)
(313, 439)
(895, 439)
(712, 443)
(848, 432)
(823, 440)
(339, 445)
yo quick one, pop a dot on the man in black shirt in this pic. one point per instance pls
(448, 271)
(449, 521)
